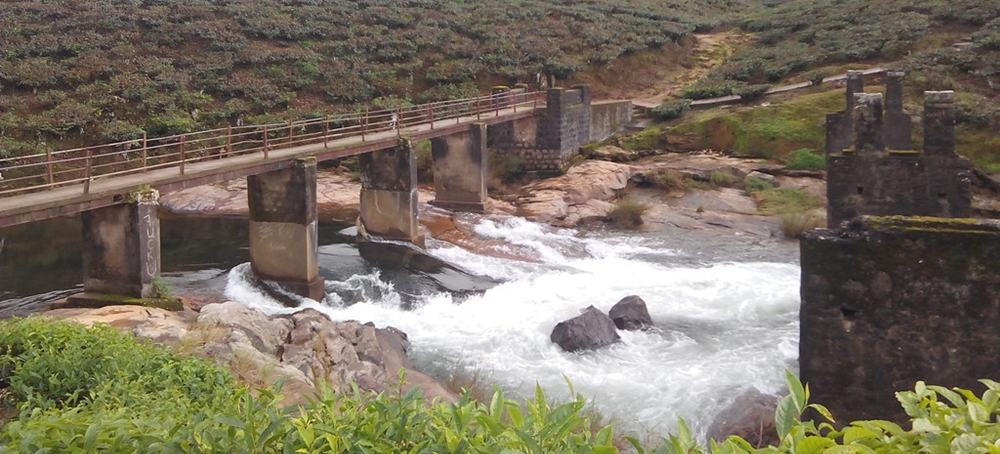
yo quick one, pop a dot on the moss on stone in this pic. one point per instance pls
(97, 300)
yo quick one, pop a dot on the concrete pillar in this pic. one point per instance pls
(867, 119)
(283, 237)
(898, 125)
(121, 247)
(389, 193)
(939, 123)
(460, 170)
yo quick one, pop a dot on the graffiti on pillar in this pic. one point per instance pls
(152, 264)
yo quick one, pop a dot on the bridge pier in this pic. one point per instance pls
(460, 162)
(121, 248)
(283, 236)
(389, 194)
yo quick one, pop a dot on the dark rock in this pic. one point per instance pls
(631, 314)
(751, 417)
(589, 330)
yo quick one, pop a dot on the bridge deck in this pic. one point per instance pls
(110, 190)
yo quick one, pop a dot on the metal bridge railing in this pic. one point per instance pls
(79, 166)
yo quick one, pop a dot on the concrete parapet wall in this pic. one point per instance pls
(887, 301)
(608, 118)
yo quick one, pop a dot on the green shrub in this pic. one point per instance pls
(670, 110)
(806, 159)
(754, 184)
(943, 420)
(627, 214)
(752, 93)
(710, 88)
(816, 77)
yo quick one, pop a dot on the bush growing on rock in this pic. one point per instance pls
(627, 214)
(672, 109)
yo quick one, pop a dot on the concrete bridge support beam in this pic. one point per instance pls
(283, 236)
(121, 247)
(460, 163)
(389, 194)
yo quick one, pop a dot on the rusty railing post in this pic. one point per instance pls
(48, 167)
(145, 152)
(291, 132)
(478, 109)
(182, 155)
(364, 125)
(229, 141)
(431, 108)
(266, 145)
(86, 181)
(326, 131)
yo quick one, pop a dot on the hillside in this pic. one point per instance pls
(77, 72)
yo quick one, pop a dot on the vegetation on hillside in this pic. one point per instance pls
(797, 35)
(77, 72)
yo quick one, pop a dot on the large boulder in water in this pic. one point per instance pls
(631, 314)
(589, 330)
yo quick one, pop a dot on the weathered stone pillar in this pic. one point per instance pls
(283, 237)
(121, 247)
(898, 125)
(460, 170)
(867, 120)
(389, 194)
(939, 123)
(837, 137)
(889, 301)
(855, 85)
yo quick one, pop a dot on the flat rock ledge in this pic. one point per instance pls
(301, 349)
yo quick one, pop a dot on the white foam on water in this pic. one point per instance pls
(721, 329)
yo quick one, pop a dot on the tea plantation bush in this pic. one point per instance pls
(96, 390)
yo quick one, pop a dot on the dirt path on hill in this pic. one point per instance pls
(710, 50)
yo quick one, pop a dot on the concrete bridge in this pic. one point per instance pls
(116, 186)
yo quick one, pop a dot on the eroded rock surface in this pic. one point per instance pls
(584, 192)
(300, 349)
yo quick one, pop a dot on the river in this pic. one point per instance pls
(725, 306)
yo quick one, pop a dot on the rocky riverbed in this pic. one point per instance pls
(307, 347)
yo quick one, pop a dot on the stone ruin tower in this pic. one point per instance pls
(872, 168)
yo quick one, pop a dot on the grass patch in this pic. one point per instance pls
(627, 214)
(794, 224)
(770, 132)
(806, 159)
(777, 201)
(754, 184)
(722, 179)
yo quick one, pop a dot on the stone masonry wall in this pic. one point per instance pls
(887, 301)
